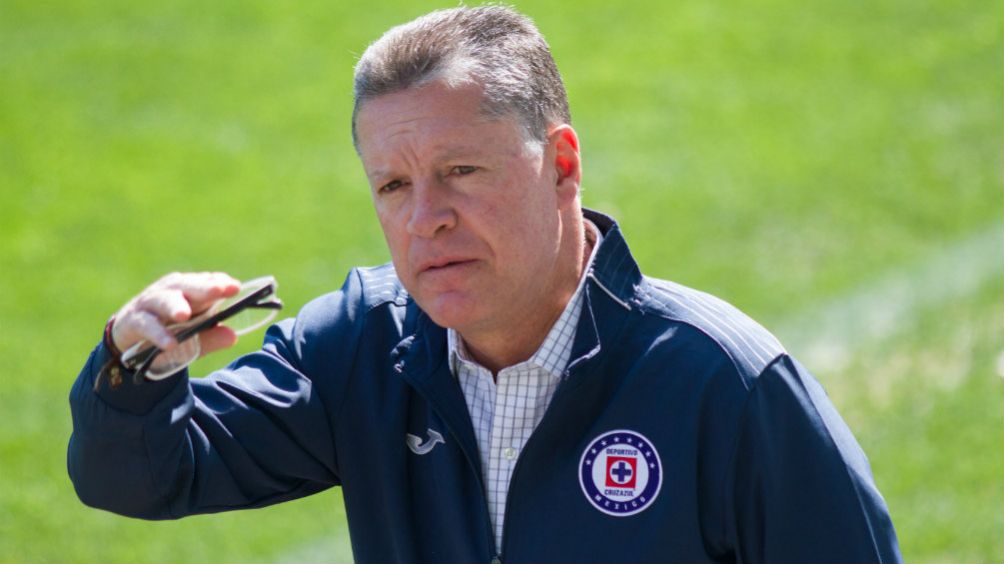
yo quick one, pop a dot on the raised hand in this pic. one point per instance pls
(174, 298)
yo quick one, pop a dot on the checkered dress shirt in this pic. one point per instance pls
(506, 413)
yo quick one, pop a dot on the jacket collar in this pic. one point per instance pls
(614, 269)
(612, 284)
(421, 360)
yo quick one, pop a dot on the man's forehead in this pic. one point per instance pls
(448, 122)
(465, 101)
(433, 118)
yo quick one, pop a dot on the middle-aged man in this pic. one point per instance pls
(511, 388)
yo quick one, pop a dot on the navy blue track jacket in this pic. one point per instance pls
(681, 432)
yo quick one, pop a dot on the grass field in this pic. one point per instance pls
(778, 154)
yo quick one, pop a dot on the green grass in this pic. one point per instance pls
(777, 153)
(928, 407)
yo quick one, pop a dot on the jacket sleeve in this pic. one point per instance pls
(255, 433)
(801, 487)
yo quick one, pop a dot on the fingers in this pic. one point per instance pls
(172, 299)
(139, 325)
(201, 290)
(167, 304)
(216, 338)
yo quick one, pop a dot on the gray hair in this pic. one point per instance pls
(492, 46)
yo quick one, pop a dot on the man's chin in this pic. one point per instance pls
(451, 310)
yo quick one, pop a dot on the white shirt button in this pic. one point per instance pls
(509, 453)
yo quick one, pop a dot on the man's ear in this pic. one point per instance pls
(564, 145)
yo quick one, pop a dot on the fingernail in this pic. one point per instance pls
(163, 343)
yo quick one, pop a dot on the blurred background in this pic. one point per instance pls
(832, 168)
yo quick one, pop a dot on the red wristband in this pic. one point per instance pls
(110, 343)
(112, 370)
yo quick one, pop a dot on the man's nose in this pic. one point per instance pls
(432, 210)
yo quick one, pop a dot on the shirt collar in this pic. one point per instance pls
(554, 353)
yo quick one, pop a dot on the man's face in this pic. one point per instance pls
(468, 206)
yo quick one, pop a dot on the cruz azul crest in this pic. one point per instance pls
(620, 473)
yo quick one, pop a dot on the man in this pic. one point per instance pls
(512, 388)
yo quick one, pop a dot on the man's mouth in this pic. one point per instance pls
(444, 264)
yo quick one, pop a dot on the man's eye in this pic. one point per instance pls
(463, 169)
(391, 186)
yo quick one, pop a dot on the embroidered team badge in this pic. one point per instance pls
(620, 473)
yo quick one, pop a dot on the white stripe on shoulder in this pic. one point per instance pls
(381, 284)
(765, 342)
(745, 340)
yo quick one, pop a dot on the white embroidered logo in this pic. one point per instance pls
(418, 447)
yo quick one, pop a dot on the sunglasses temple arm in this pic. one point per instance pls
(274, 303)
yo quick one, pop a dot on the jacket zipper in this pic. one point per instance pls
(492, 542)
(558, 393)
(496, 556)
(512, 479)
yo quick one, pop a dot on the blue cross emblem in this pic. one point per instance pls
(621, 471)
